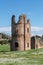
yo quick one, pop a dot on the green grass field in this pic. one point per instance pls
(5, 47)
(30, 57)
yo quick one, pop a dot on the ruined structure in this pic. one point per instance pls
(21, 33)
(36, 42)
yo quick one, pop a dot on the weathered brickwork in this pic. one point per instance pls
(21, 33)
(36, 42)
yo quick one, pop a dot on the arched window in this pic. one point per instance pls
(27, 44)
(27, 30)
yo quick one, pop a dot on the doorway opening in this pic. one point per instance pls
(16, 45)
(33, 43)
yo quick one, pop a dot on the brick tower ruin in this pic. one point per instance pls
(21, 33)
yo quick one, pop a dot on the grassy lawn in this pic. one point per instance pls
(5, 47)
(30, 57)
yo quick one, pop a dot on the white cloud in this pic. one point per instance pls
(36, 30)
(5, 29)
(33, 28)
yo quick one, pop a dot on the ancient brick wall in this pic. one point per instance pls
(21, 33)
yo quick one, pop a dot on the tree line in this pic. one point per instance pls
(6, 39)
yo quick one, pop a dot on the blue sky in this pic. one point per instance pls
(32, 8)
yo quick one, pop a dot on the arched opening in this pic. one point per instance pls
(33, 43)
(16, 45)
